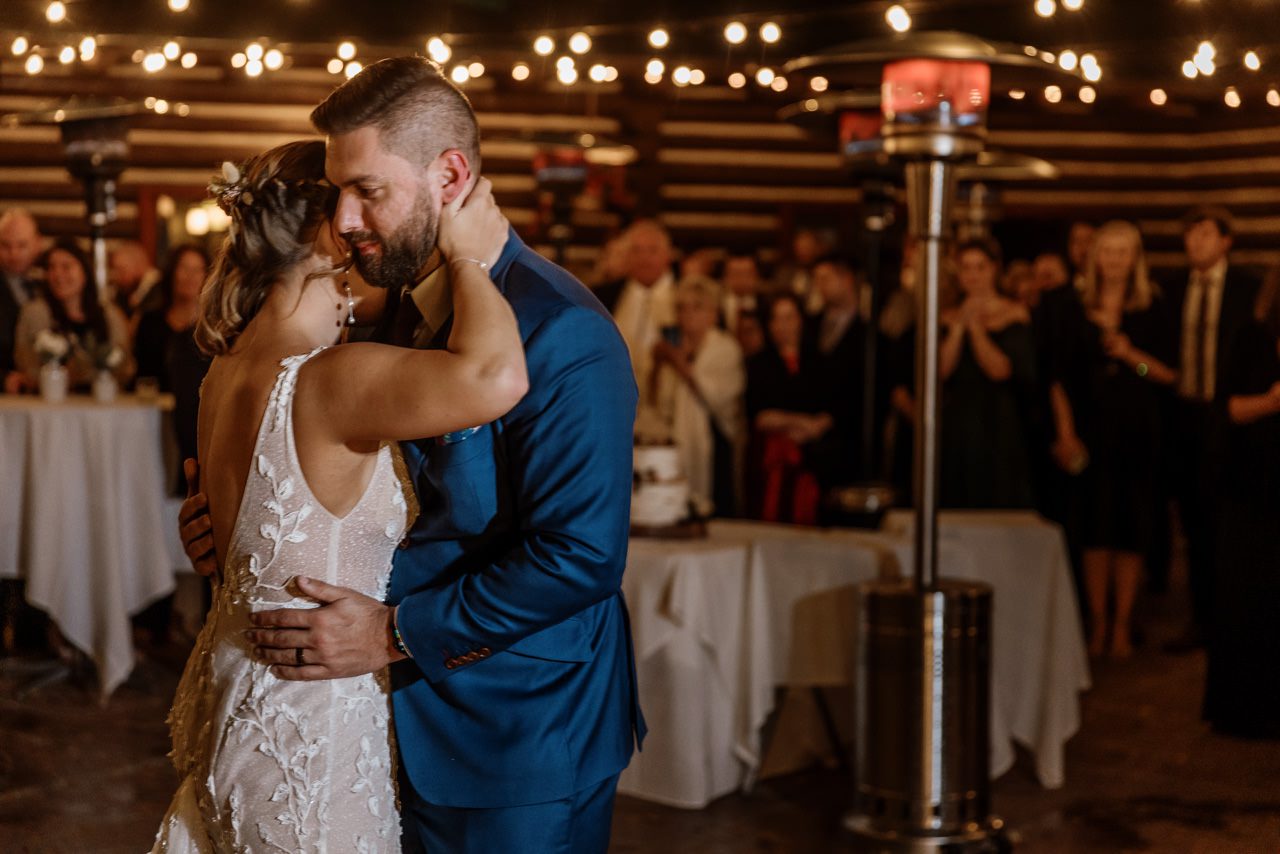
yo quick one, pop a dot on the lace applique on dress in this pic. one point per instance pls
(270, 764)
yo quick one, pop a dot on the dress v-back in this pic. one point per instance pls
(273, 765)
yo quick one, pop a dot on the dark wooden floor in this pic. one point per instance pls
(1143, 775)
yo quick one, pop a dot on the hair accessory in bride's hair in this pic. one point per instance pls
(230, 188)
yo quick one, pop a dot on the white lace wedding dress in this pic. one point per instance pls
(269, 765)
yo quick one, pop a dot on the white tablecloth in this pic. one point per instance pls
(720, 623)
(82, 518)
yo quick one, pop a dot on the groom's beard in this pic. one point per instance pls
(402, 254)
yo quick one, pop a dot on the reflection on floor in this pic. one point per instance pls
(1143, 775)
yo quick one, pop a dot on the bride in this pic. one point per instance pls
(303, 476)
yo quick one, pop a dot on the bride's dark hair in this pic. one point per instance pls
(277, 201)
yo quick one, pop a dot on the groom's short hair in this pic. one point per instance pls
(418, 112)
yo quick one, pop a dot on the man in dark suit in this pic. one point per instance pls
(514, 677)
(19, 246)
(1211, 301)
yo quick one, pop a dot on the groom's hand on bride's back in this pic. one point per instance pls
(193, 523)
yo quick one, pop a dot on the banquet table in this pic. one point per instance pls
(720, 624)
(83, 517)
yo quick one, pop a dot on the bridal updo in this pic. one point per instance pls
(277, 201)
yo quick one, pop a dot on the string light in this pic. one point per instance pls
(56, 12)
(20, 46)
(1204, 64)
(1046, 8)
(1189, 70)
(153, 62)
(335, 66)
(34, 64)
(818, 84)
(172, 50)
(346, 51)
(1088, 94)
(476, 69)
(610, 74)
(597, 73)
(770, 32)
(735, 32)
(568, 75)
(1073, 5)
(179, 5)
(459, 74)
(579, 43)
(1159, 97)
(1052, 94)
(779, 84)
(238, 60)
(254, 52)
(897, 18)
(520, 71)
(352, 68)
(67, 55)
(1091, 69)
(543, 45)
(737, 80)
(659, 38)
(1251, 61)
(1017, 94)
(161, 106)
(1067, 60)
(764, 76)
(697, 77)
(1273, 97)
(274, 59)
(88, 48)
(189, 60)
(1231, 97)
(1206, 48)
(681, 75)
(655, 66)
(652, 79)
(438, 50)
(253, 68)
(564, 62)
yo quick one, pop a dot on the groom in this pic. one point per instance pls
(515, 707)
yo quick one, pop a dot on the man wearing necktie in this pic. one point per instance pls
(1211, 301)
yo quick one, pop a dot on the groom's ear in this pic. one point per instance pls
(454, 175)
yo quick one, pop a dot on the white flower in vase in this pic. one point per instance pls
(52, 347)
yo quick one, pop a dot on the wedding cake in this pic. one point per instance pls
(660, 496)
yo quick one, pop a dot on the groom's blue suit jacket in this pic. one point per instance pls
(522, 685)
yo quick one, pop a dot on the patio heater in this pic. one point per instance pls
(95, 142)
(925, 655)
(562, 167)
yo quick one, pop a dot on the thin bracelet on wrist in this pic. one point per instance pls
(483, 265)
(397, 640)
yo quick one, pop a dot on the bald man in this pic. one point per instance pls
(133, 279)
(19, 245)
(643, 303)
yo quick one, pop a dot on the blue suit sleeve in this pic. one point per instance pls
(569, 446)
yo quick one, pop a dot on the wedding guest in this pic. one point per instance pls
(644, 302)
(987, 366)
(165, 347)
(1242, 691)
(788, 411)
(796, 275)
(67, 304)
(700, 380)
(133, 279)
(1019, 284)
(840, 334)
(1112, 425)
(1079, 245)
(611, 263)
(700, 262)
(1210, 302)
(749, 332)
(743, 287)
(19, 246)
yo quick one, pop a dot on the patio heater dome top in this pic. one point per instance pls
(858, 63)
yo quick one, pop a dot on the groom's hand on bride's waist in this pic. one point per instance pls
(349, 634)
(193, 524)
